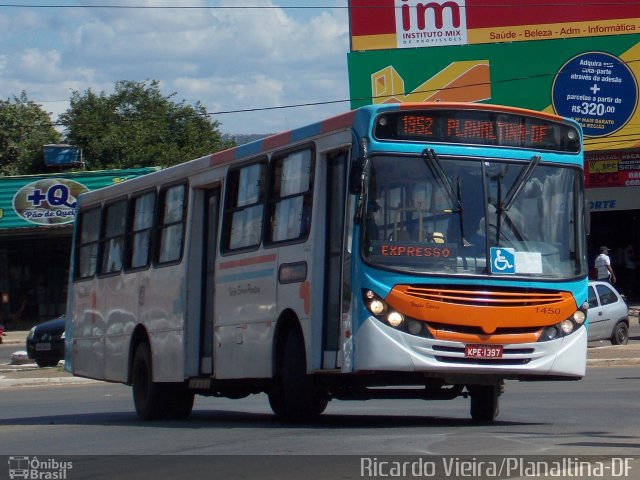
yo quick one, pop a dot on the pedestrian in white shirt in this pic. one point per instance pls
(603, 265)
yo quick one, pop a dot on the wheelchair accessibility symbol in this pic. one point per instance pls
(503, 260)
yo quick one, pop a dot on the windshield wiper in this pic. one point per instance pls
(520, 182)
(505, 204)
(433, 162)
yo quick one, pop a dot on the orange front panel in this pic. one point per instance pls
(488, 309)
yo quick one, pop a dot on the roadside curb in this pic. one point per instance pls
(26, 382)
(14, 337)
(613, 362)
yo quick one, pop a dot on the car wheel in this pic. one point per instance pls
(620, 334)
(47, 363)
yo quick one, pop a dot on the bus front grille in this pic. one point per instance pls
(485, 297)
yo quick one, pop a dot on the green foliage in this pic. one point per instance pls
(24, 129)
(137, 126)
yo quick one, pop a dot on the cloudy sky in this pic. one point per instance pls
(265, 56)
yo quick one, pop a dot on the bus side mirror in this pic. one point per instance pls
(587, 216)
(355, 176)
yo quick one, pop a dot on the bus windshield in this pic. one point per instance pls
(454, 215)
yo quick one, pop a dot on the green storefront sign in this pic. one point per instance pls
(49, 200)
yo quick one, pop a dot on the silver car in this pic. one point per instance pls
(608, 314)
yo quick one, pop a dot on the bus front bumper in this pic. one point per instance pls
(379, 347)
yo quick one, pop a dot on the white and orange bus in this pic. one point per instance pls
(396, 251)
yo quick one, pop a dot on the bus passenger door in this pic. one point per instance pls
(211, 214)
(336, 274)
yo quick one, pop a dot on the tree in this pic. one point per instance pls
(137, 126)
(24, 129)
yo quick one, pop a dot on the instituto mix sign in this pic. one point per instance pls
(577, 59)
(390, 24)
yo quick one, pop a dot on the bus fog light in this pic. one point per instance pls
(551, 332)
(376, 307)
(579, 317)
(414, 327)
(395, 319)
(567, 326)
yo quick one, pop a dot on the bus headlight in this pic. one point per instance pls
(414, 326)
(374, 303)
(567, 326)
(395, 319)
(377, 307)
(551, 332)
(579, 317)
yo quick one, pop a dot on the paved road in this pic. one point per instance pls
(597, 416)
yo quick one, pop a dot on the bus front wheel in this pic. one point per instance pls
(484, 402)
(295, 396)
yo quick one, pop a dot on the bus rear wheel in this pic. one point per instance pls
(148, 396)
(484, 402)
(180, 401)
(295, 396)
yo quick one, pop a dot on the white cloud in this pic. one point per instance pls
(229, 59)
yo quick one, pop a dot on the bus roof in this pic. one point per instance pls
(359, 115)
(358, 119)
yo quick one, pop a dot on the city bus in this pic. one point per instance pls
(412, 251)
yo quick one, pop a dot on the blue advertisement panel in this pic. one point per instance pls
(61, 155)
(598, 87)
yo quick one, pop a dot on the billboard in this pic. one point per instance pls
(50, 200)
(61, 155)
(612, 168)
(391, 24)
(592, 79)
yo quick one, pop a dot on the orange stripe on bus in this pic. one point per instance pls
(512, 338)
(247, 261)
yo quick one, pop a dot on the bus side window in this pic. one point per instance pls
(171, 224)
(113, 237)
(88, 241)
(140, 227)
(244, 207)
(290, 196)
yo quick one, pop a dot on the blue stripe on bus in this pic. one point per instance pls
(237, 277)
(306, 132)
(248, 149)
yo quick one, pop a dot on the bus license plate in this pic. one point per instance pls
(483, 351)
(43, 347)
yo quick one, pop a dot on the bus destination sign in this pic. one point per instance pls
(477, 127)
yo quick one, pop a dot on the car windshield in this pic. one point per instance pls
(447, 215)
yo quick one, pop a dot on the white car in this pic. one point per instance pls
(608, 315)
